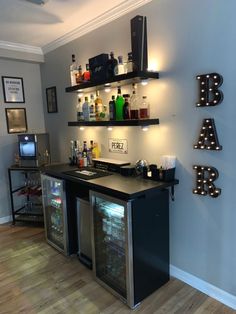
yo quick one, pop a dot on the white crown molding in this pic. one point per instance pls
(111, 15)
(20, 47)
(205, 287)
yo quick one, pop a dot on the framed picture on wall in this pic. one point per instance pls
(13, 89)
(16, 120)
(51, 94)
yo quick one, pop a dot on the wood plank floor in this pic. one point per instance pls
(35, 278)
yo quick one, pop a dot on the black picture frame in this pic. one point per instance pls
(16, 120)
(51, 95)
(13, 89)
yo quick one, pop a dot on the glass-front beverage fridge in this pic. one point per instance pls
(130, 244)
(55, 215)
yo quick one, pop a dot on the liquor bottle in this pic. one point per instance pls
(73, 71)
(111, 64)
(80, 160)
(86, 74)
(129, 66)
(104, 115)
(92, 116)
(79, 109)
(119, 68)
(95, 151)
(134, 108)
(119, 105)
(144, 108)
(126, 107)
(86, 109)
(112, 108)
(85, 154)
(79, 75)
(98, 106)
(90, 154)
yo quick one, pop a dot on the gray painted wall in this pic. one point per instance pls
(30, 73)
(186, 38)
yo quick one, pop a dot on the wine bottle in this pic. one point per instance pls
(112, 108)
(85, 154)
(111, 64)
(126, 107)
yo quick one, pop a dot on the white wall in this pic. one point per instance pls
(185, 38)
(30, 72)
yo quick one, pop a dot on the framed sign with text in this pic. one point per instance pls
(16, 120)
(13, 89)
(51, 94)
(118, 145)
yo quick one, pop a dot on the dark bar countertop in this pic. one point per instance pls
(116, 185)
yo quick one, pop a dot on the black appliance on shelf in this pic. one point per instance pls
(139, 42)
(98, 67)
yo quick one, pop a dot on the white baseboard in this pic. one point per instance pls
(6, 219)
(205, 287)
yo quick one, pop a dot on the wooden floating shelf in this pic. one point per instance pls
(144, 122)
(118, 80)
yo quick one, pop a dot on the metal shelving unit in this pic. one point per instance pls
(25, 194)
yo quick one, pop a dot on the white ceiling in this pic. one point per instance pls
(56, 22)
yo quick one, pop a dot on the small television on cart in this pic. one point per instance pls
(33, 149)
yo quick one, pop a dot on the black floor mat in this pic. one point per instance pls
(87, 173)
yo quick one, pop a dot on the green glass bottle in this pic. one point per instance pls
(119, 105)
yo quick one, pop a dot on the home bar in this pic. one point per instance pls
(117, 157)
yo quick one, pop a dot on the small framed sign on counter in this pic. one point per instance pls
(13, 89)
(118, 145)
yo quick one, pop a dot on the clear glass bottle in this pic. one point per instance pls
(144, 108)
(134, 107)
(79, 109)
(92, 115)
(129, 66)
(86, 109)
(89, 153)
(80, 160)
(104, 115)
(73, 71)
(119, 68)
(119, 105)
(98, 107)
